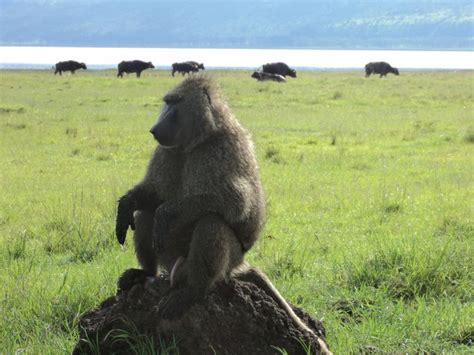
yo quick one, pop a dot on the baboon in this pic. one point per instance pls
(201, 197)
(200, 206)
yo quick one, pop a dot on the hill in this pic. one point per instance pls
(397, 24)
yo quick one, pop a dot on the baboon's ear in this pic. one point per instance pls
(207, 95)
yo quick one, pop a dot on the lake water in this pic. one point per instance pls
(99, 58)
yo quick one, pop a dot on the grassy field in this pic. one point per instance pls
(369, 186)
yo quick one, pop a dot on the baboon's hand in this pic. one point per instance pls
(164, 218)
(124, 217)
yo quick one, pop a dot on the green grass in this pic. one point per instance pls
(369, 186)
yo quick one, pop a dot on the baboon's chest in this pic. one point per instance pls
(169, 173)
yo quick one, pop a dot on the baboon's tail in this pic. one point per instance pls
(250, 274)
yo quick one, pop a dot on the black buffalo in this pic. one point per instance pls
(382, 68)
(134, 66)
(279, 68)
(266, 76)
(69, 65)
(186, 67)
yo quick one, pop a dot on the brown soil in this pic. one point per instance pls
(236, 318)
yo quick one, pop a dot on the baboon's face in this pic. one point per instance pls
(187, 117)
(395, 71)
(83, 66)
(168, 128)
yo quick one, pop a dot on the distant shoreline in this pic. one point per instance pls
(44, 67)
(245, 59)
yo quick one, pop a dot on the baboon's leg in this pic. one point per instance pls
(148, 257)
(176, 246)
(143, 241)
(214, 252)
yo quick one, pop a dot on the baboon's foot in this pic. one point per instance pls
(178, 302)
(132, 277)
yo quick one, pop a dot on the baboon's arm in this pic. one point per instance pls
(138, 198)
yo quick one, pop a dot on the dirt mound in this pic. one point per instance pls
(236, 318)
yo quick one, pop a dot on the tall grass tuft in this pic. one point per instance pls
(408, 273)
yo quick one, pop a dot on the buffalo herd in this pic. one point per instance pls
(268, 72)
